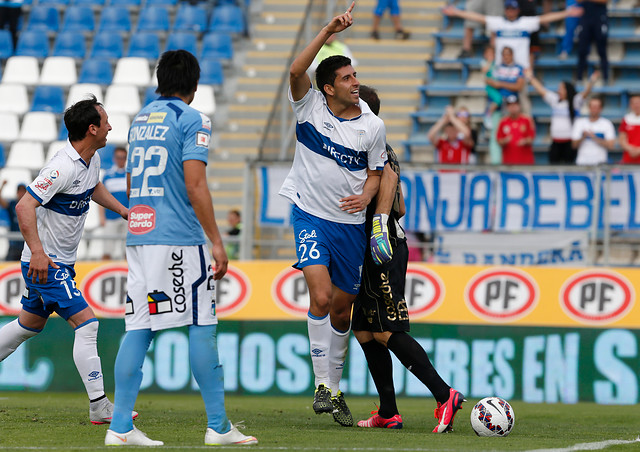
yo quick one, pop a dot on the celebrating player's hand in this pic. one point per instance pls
(380, 247)
(39, 267)
(354, 203)
(341, 22)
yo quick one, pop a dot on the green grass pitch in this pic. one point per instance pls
(60, 421)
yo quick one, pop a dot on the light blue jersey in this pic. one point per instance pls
(165, 133)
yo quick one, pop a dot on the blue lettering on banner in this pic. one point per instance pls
(508, 180)
(483, 203)
(586, 202)
(539, 201)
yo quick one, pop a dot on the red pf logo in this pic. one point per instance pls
(290, 292)
(597, 297)
(501, 295)
(423, 291)
(142, 219)
(232, 292)
(11, 289)
(105, 290)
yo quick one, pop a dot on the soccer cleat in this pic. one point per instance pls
(445, 412)
(232, 437)
(322, 400)
(132, 438)
(341, 412)
(378, 421)
(100, 412)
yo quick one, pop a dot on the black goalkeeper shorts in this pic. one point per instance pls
(380, 305)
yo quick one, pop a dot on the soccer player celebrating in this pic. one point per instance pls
(380, 313)
(339, 142)
(171, 280)
(51, 216)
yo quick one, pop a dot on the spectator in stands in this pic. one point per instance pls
(515, 134)
(486, 8)
(394, 11)
(494, 98)
(630, 132)
(235, 228)
(454, 146)
(593, 136)
(10, 12)
(465, 116)
(330, 48)
(15, 246)
(570, 25)
(565, 107)
(115, 180)
(508, 77)
(594, 27)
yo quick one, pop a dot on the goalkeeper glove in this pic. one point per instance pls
(380, 247)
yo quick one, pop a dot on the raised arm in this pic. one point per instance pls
(433, 132)
(458, 123)
(589, 86)
(463, 14)
(573, 11)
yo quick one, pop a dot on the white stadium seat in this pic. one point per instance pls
(14, 98)
(132, 71)
(205, 100)
(54, 147)
(119, 133)
(21, 69)
(58, 71)
(122, 99)
(10, 129)
(39, 126)
(79, 91)
(26, 154)
(14, 177)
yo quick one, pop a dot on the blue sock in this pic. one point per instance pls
(207, 370)
(128, 376)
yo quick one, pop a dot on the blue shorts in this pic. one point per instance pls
(391, 5)
(58, 295)
(339, 247)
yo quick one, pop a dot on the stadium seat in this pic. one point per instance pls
(122, 99)
(153, 18)
(44, 18)
(63, 133)
(106, 156)
(80, 91)
(78, 19)
(57, 3)
(150, 94)
(33, 43)
(58, 71)
(107, 44)
(182, 40)
(6, 45)
(227, 19)
(96, 3)
(13, 98)
(218, 46)
(21, 69)
(53, 149)
(14, 176)
(69, 44)
(2, 156)
(39, 126)
(191, 18)
(26, 154)
(48, 98)
(115, 19)
(211, 72)
(131, 4)
(204, 100)
(96, 70)
(120, 124)
(144, 45)
(10, 129)
(162, 3)
(132, 71)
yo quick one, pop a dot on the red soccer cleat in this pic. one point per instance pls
(445, 412)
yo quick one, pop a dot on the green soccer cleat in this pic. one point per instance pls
(341, 413)
(322, 400)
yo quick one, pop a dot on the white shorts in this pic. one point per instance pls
(169, 287)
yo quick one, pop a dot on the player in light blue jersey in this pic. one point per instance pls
(51, 216)
(171, 279)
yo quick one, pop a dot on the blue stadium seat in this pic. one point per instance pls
(56, 3)
(78, 19)
(115, 18)
(163, 3)
(153, 18)
(98, 3)
(183, 40)
(191, 18)
(211, 72)
(127, 3)
(107, 45)
(96, 71)
(33, 43)
(6, 45)
(63, 133)
(217, 45)
(44, 18)
(227, 19)
(48, 98)
(69, 44)
(150, 95)
(106, 156)
(144, 45)
(2, 158)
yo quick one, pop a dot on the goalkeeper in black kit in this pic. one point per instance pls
(380, 315)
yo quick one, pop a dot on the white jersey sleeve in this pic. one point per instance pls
(54, 178)
(377, 152)
(304, 107)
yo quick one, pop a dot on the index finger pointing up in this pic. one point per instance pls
(351, 7)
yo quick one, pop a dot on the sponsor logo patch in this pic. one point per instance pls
(156, 117)
(141, 118)
(206, 122)
(202, 139)
(159, 303)
(142, 219)
(53, 175)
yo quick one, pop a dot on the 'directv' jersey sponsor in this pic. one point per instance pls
(63, 188)
(164, 135)
(332, 157)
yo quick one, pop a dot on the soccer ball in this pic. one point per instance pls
(492, 416)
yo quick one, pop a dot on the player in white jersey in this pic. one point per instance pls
(51, 216)
(340, 154)
(171, 279)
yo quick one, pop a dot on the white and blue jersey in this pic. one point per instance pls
(332, 157)
(63, 188)
(115, 180)
(164, 135)
(515, 34)
(509, 74)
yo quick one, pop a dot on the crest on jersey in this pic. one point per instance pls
(54, 174)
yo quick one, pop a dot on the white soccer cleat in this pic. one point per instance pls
(232, 437)
(132, 438)
(101, 412)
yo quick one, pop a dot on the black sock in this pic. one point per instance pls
(381, 368)
(415, 359)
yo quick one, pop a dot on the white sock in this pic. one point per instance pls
(11, 336)
(319, 343)
(85, 355)
(337, 355)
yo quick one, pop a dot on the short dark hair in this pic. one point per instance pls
(599, 99)
(79, 116)
(326, 71)
(370, 96)
(178, 73)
